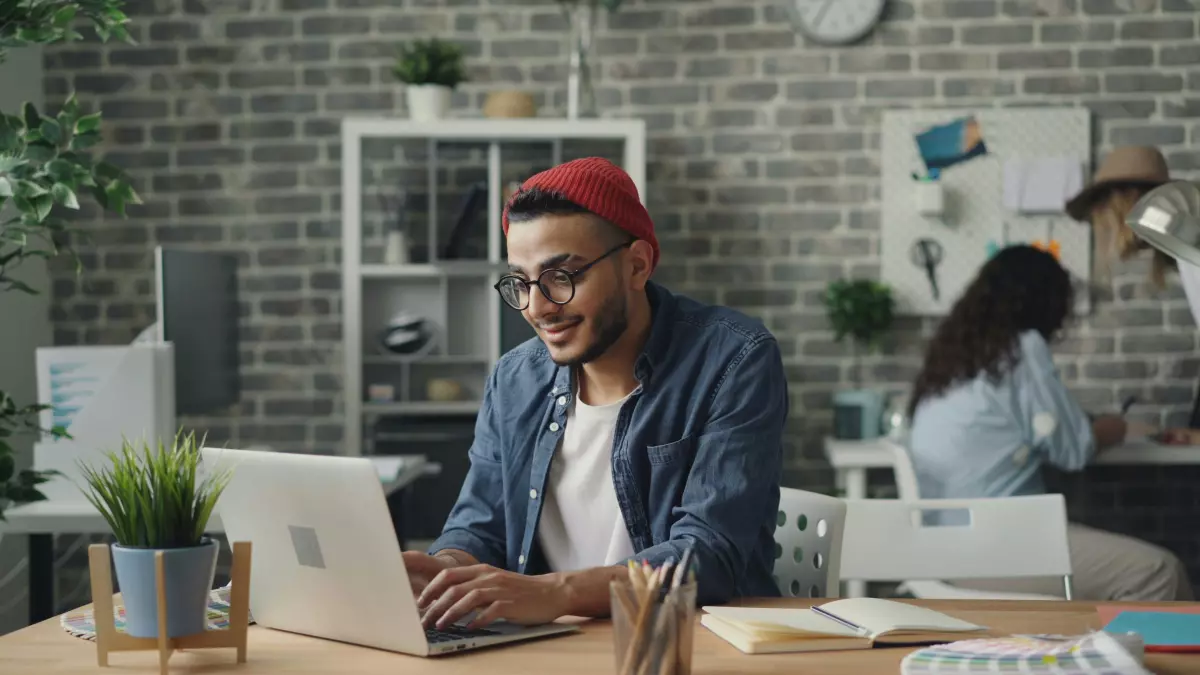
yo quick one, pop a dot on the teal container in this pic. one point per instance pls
(858, 414)
(188, 578)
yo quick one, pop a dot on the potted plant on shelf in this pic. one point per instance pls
(863, 311)
(153, 502)
(430, 69)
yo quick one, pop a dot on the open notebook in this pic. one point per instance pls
(856, 623)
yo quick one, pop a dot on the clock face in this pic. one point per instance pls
(836, 21)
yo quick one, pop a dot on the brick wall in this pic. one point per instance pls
(763, 176)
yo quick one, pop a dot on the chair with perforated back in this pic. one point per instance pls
(1008, 537)
(936, 589)
(808, 544)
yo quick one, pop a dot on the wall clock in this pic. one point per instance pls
(836, 22)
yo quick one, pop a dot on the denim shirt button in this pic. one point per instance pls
(562, 400)
(532, 494)
(521, 559)
(554, 426)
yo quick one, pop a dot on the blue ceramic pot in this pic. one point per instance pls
(188, 580)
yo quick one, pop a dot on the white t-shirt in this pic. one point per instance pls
(581, 524)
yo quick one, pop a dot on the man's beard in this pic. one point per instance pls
(611, 322)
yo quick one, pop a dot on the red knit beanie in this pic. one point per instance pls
(601, 187)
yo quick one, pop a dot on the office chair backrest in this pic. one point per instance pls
(808, 544)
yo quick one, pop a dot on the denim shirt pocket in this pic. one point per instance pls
(669, 467)
(671, 453)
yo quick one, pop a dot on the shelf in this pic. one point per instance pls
(456, 268)
(528, 129)
(421, 408)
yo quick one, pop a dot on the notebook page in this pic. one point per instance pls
(779, 620)
(881, 616)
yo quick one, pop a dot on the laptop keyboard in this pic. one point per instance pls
(451, 634)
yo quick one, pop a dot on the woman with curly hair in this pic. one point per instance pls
(989, 410)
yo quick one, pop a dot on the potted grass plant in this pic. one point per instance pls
(154, 501)
(862, 311)
(430, 69)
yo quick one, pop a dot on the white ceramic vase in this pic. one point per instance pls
(427, 102)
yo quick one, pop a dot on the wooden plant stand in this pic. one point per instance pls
(108, 639)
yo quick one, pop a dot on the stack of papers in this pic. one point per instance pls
(1049, 654)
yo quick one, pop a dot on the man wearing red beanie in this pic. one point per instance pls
(638, 425)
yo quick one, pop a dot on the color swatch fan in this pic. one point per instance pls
(1168, 218)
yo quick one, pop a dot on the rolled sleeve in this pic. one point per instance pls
(732, 489)
(1057, 425)
(476, 523)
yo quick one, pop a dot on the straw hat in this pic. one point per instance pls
(1126, 166)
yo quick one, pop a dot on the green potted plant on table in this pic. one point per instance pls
(430, 69)
(863, 311)
(153, 502)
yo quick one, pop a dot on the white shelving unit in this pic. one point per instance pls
(456, 295)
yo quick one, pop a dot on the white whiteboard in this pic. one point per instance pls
(973, 192)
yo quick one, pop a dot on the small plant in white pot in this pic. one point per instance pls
(430, 69)
(153, 500)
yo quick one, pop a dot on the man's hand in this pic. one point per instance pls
(422, 568)
(494, 594)
(1179, 437)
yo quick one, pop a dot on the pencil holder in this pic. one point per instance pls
(653, 629)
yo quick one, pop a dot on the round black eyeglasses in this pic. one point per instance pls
(558, 285)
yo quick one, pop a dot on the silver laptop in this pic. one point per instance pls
(325, 560)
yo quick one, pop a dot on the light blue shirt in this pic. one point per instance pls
(991, 439)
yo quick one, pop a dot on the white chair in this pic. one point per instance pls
(1010, 537)
(936, 589)
(808, 544)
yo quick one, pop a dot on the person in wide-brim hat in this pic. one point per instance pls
(1125, 176)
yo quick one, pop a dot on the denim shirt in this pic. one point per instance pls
(696, 457)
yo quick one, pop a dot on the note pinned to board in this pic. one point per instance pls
(1162, 629)
(1041, 185)
(945, 145)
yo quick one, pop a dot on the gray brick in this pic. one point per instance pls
(303, 5)
(208, 105)
(181, 233)
(802, 168)
(747, 92)
(1118, 83)
(263, 104)
(104, 84)
(284, 154)
(336, 76)
(245, 29)
(827, 142)
(796, 64)
(831, 194)
(639, 70)
(761, 39)
(135, 109)
(1001, 34)
(187, 182)
(285, 256)
(642, 19)
(71, 59)
(262, 79)
(719, 66)
(1034, 59)
(291, 52)
(1179, 55)
(665, 94)
(150, 57)
(1189, 107)
(748, 143)
(287, 204)
(874, 62)
(1180, 5)
(266, 231)
(210, 157)
(1158, 29)
(760, 297)
(680, 44)
(525, 48)
(1062, 84)
(901, 87)
(261, 129)
(943, 61)
(958, 9)
(914, 36)
(1076, 32)
(1128, 109)
(211, 55)
(714, 169)
(1039, 8)
(804, 116)
(818, 90)
(1116, 57)
(720, 17)
(1161, 343)
(185, 133)
(727, 273)
(1148, 135)
(321, 26)
(213, 206)
(751, 194)
(300, 407)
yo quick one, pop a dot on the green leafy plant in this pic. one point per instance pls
(431, 61)
(861, 310)
(44, 170)
(150, 498)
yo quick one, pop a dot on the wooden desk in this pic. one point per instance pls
(45, 649)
